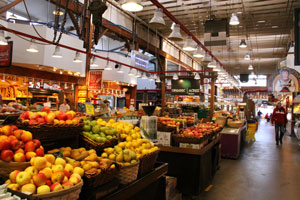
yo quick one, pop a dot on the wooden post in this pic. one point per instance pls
(212, 98)
(9, 6)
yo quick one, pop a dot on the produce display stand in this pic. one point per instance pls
(150, 186)
(232, 141)
(194, 168)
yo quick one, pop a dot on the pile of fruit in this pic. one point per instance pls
(127, 152)
(87, 160)
(201, 130)
(189, 119)
(12, 108)
(18, 145)
(98, 131)
(46, 174)
(170, 122)
(47, 116)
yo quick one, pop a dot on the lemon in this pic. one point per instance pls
(109, 150)
(128, 145)
(128, 138)
(112, 157)
(145, 151)
(104, 155)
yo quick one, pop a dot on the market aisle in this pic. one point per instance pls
(263, 172)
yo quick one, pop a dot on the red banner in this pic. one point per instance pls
(6, 55)
(95, 80)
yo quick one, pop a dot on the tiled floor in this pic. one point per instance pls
(263, 172)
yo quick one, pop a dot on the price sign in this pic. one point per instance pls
(89, 109)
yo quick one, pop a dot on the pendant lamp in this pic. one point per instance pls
(189, 45)
(58, 12)
(234, 20)
(175, 35)
(93, 63)
(157, 80)
(32, 48)
(144, 76)
(207, 58)
(132, 5)
(216, 69)
(247, 57)
(107, 66)
(199, 53)
(158, 21)
(57, 53)
(154, 76)
(130, 73)
(175, 77)
(212, 64)
(3, 41)
(197, 76)
(169, 83)
(120, 69)
(250, 67)
(77, 58)
(243, 43)
(138, 75)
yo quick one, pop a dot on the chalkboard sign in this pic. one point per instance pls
(297, 36)
(81, 107)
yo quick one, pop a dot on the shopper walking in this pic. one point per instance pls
(279, 119)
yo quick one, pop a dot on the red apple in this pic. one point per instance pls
(20, 151)
(19, 157)
(7, 155)
(39, 179)
(33, 115)
(67, 174)
(18, 133)
(49, 183)
(56, 187)
(57, 177)
(39, 152)
(46, 109)
(62, 116)
(67, 185)
(32, 121)
(13, 176)
(40, 120)
(15, 144)
(14, 128)
(26, 136)
(50, 118)
(29, 146)
(26, 115)
(11, 137)
(4, 144)
(30, 155)
(7, 130)
(36, 143)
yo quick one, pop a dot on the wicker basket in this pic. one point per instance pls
(128, 173)
(67, 194)
(221, 121)
(180, 138)
(147, 163)
(99, 147)
(7, 167)
(235, 124)
(104, 177)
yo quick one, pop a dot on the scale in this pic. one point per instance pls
(148, 123)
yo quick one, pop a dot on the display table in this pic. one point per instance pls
(194, 168)
(149, 187)
(232, 141)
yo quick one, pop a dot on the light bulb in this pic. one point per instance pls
(132, 5)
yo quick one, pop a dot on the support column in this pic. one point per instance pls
(212, 98)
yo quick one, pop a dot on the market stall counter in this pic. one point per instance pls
(232, 141)
(194, 168)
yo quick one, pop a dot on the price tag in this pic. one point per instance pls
(89, 109)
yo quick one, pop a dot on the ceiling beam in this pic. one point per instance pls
(9, 6)
(75, 23)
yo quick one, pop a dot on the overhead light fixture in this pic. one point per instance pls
(175, 77)
(57, 53)
(66, 86)
(252, 73)
(275, 26)
(107, 66)
(32, 48)
(77, 58)
(189, 44)
(199, 53)
(120, 70)
(132, 5)
(197, 76)
(158, 21)
(250, 67)
(54, 69)
(3, 78)
(216, 69)
(93, 63)
(61, 72)
(154, 76)
(3, 41)
(130, 73)
(12, 16)
(144, 76)
(212, 64)
(261, 21)
(207, 58)
(175, 34)
(234, 20)
(157, 80)
(138, 74)
(172, 26)
(58, 12)
(247, 57)
(243, 43)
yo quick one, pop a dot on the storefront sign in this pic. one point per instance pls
(95, 80)
(139, 60)
(185, 87)
(286, 80)
(6, 55)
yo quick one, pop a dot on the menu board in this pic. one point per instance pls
(185, 87)
(297, 36)
(95, 80)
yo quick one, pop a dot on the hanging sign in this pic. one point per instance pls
(286, 80)
(139, 60)
(6, 55)
(95, 80)
(185, 87)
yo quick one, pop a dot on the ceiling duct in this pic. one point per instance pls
(216, 32)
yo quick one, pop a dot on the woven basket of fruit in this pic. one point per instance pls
(99, 147)
(7, 167)
(96, 178)
(182, 138)
(147, 163)
(128, 173)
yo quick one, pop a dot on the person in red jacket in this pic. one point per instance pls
(279, 118)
